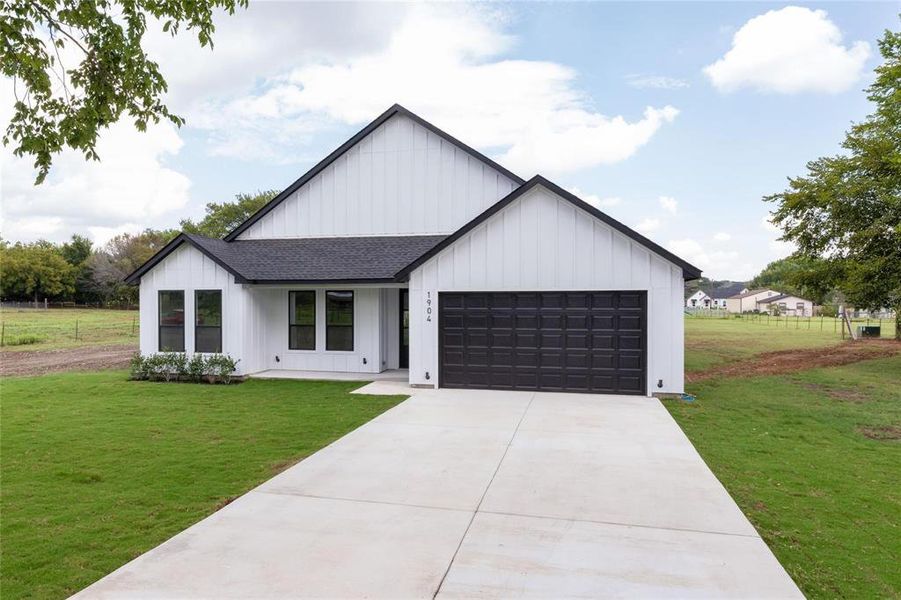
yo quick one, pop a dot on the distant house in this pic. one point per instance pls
(769, 301)
(714, 297)
(786, 304)
(746, 300)
(699, 299)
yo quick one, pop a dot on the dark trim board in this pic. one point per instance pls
(689, 271)
(397, 109)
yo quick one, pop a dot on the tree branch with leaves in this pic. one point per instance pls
(58, 106)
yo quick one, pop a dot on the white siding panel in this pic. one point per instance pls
(542, 242)
(187, 269)
(401, 179)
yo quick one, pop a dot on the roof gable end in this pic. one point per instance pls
(397, 109)
(689, 271)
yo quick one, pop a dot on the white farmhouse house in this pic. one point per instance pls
(699, 299)
(406, 249)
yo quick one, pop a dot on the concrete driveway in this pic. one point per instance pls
(477, 494)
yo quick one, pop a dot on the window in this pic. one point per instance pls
(208, 321)
(302, 320)
(339, 321)
(172, 321)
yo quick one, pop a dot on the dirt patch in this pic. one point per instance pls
(791, 361)
(85, 358)
(843, 394)
(881, 432)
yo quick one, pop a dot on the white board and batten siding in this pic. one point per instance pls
(187, 269)
(401, 179)
(541, 242)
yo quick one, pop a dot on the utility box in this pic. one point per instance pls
(869, 331)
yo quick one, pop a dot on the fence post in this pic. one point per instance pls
(76, 330)
(133, 321)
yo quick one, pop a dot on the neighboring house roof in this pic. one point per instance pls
(324, 163)
(779, 297)
(726, 291)
(689, 271)
(305, 260)
(751, 293)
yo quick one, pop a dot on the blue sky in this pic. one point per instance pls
(609, 99)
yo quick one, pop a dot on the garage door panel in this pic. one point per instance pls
(555, 341)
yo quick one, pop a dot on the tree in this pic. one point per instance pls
(34, 271)
(798, 275)
(61, 105)
(222, 218)
(77, 252)
(122, 255)
(846, 211)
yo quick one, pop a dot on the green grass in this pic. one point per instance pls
(98, 469)
(711, 341)
(792, 451)
(56, 328)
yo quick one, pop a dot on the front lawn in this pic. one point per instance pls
(97, 469)
(814, 460)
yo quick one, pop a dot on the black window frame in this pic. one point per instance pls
(329, 327)
(292, 315)
(159, 321)
(198, 326)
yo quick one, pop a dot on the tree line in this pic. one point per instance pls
(80, 272)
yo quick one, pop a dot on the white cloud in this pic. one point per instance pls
(131, 184)
(446, 63)
(714, 263)
(595, 200)
(722, 237)
(791, 50)
(647, 226)
(768, 224)
(657, 82)
(669, 204)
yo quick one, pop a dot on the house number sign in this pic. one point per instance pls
(428, 306)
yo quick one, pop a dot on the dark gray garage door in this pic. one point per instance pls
(551, 341)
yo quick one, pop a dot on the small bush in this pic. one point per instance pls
(138, 366)
(196, 368)
(23, 340)
(221, 366)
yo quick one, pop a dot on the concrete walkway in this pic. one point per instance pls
(477, 494)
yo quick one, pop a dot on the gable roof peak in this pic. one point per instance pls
(395, 109)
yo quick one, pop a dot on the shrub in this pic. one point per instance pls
(139, 366)
(196, 368)
(175, 366)
(221, 366)
(23, 340)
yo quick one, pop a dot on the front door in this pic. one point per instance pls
(404, 360)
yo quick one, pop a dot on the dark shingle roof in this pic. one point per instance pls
(725, 291)
(299, 260)
(777, 298)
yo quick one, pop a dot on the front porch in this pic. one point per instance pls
(334, 331)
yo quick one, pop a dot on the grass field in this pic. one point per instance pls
(97, 469)
(29, 329)
(813, 458)
(713, 341)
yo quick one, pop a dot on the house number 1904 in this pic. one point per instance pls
(428, 306)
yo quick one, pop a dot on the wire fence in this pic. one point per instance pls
(41, 329)
(824, 324)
